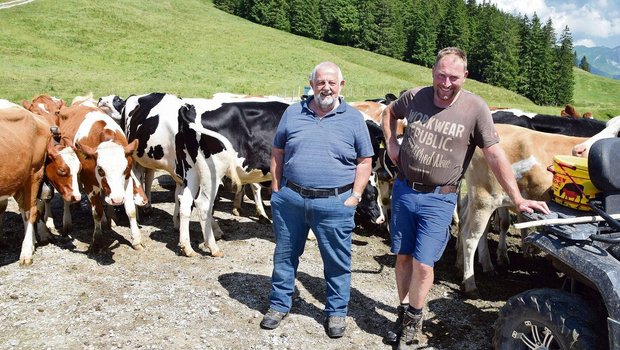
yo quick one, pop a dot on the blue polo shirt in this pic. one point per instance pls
(322, 153)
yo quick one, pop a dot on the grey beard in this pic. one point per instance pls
(323, 101)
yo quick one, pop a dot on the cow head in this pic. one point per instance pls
(62, 167)
(112, 165)
(369, 213)
(46, 106)
(113, 106)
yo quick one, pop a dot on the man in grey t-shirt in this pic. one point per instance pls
(445, 125)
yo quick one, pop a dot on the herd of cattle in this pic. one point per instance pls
(109, 150)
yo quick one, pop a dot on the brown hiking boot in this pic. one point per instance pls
(392, 335)
(412, 326)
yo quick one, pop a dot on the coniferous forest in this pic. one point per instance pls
(518, 53)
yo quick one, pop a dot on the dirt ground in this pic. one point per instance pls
(156, 299)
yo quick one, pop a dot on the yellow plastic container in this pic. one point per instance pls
(571, 182)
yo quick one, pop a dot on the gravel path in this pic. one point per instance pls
(156, 299)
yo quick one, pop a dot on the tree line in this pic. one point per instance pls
(518, 53)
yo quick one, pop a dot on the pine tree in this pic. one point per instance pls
(229, 6)
(305, 18)
(526, 59)
(575, 59)
(340, 20)
(389, 25)
(272, 13)
(422, 32)
(583, 64)
(537, 51)
(453, 28)
(564, 72)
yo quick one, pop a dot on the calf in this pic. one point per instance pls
(545, 123)
(530, 152)
(106, 159)
(25, 141)
(62, 165)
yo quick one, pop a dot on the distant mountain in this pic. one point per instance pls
(603, 60)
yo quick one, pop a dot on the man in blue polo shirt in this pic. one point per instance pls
(320, 164)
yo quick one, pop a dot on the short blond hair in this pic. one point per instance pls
(452, 51)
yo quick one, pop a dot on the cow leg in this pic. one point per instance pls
(25, 256)
(42, 230)
(176, 214)
(484, 255)
(48, 218)
(109, 219)
(45, 209)
(130, 210)
(185, 200)
(239, 194)
(204, 207)
(144, 177)
(258, 202)
(67, 223)
(503, 223)
(3, 204)
(472, 228)
(96, 204)
(27, 198)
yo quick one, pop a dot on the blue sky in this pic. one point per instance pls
(592, 23)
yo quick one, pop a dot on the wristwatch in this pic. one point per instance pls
(357, 196)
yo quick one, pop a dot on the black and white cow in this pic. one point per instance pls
(195, 158)
(551, 124)
(249, 123)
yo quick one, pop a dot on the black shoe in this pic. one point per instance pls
(392, 335)
(336, 326)
(412, 326)
(272, 319)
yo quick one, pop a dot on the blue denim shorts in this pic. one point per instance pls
(420, 222)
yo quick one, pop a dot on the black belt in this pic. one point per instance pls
(428, 188)
(317, 192)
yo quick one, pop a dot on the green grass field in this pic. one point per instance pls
(187, 47)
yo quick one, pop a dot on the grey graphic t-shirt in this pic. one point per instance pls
(439, 142)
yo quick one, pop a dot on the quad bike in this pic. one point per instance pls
(584, 312)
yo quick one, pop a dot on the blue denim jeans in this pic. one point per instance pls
(332, 223)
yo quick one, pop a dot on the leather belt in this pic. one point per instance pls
(317, 192)
(428, 188)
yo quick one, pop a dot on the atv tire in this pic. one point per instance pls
(546, 319)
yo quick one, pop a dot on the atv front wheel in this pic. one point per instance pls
(545, 319)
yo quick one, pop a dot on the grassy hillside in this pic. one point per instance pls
(72, 47)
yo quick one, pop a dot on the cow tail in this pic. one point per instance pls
(230, 151)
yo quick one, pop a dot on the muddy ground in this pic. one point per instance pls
(156, 299)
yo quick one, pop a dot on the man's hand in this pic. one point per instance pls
(392, 150)
(529, 206)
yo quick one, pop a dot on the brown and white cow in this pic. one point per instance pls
(530, 153)
(106, 159)
(62, 164)
(25, 141)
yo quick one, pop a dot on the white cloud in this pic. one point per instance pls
(590, 22)
(585, 42)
